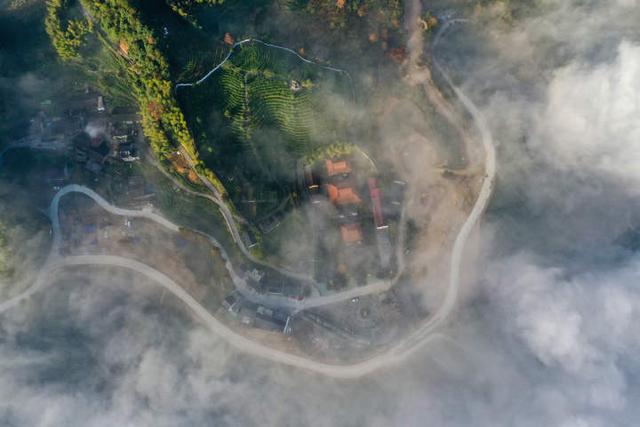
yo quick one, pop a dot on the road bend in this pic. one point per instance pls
(420, 337)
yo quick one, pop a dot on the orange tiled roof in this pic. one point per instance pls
(337, 168)
(351, 233)
(342, 196)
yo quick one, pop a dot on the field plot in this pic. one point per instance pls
(260, 113)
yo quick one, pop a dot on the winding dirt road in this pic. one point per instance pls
(395, 354)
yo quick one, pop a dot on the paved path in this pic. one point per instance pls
(274, 301)
(233, 338)
(282, 301)
(399, 352)
(416, 339)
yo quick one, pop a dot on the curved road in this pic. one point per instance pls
(240, 283)
(236, 340)
(274, 300)
(417, 338)
(399, 352)
(271, 45)
(231, 222)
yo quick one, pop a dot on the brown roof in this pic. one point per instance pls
(337, 168)
(342, 196)
(124, 47)
(351, 233)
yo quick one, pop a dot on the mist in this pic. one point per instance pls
(544, 334)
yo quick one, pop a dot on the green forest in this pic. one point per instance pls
(268, 106)
(119, 27)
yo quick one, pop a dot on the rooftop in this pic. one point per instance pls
(338, 167)
(342, 196)
(351, 233)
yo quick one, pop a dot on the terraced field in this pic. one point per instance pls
(256, 85)
(272, 102)
(260, 112)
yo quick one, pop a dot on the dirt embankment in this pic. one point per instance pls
(439, 199)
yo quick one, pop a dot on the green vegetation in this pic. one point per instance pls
(107, 72)
(184, 7)
(147, 70)
(258, 96)
(339, 12)
(257, 116)
(260, 113)
(191, 212)
(272, 102)
(66, 37)
(134, 48)
(249, 123)
(332, 151)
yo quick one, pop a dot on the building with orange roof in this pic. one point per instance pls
(351, 233)
(337, 168)
(342, 196)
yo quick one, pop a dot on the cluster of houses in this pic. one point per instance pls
(361, 212)
(339, 189)
(105, 140)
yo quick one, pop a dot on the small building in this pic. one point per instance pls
(249, 239)
(340, 167)
(232, 304)
(123, 46)
(128, 153)
(295, 86)
(272, 320)
(256, 275)
(120, 138)
(342, 196)
(351, 233)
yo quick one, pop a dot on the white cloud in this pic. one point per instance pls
(590, 120)
(550, 338)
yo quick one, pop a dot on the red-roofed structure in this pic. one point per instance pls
(337, 168)
(342, 196)
(351, 233)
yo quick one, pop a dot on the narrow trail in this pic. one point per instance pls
(270, 45)
(423, 335)
(232, 224)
